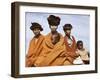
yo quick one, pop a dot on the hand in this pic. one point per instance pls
(63, 54)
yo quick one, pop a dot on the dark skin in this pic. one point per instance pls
(55, 38)
(68, 32)
(80, 46)
(36, 32)
(55, 35)
(53, 28)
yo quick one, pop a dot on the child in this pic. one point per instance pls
(55, 38)
(82, 52)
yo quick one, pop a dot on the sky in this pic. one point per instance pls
(80, 23)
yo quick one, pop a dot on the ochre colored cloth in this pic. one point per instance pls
(35, 49)
(52, 54)
(70, 50)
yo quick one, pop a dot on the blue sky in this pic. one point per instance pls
(80, 23)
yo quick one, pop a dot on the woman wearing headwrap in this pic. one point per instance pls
(53, 46)
(35, 46)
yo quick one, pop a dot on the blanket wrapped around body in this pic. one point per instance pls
(70, 50)
(35, 49)
(52, 55)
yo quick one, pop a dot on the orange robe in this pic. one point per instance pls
(52, 54)
(70, 50)
(35, 49)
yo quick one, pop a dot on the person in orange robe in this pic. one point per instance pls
(53, 46)
(70, 43)
(35, 46)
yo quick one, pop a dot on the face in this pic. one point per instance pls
(80, 46)
(36, 31)
(53, 28)
(68, 32)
